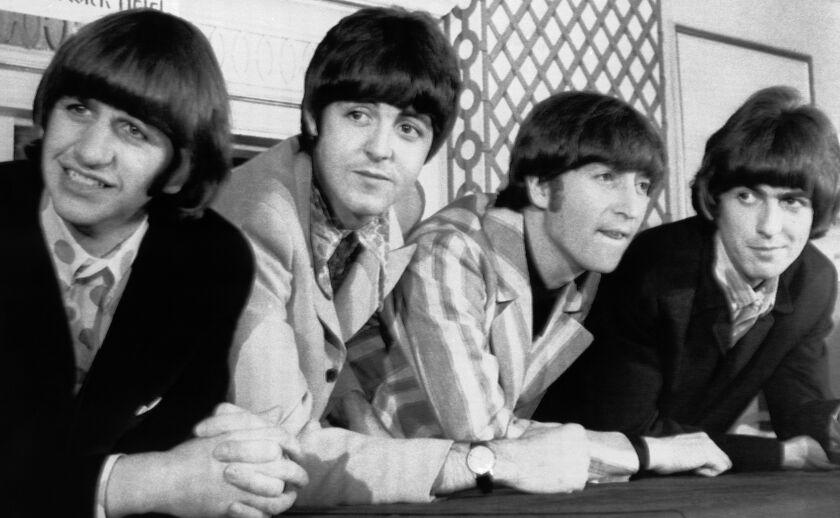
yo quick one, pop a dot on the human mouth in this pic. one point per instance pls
(84, 179)
(767, 250)
(615, 234)
(373, 174)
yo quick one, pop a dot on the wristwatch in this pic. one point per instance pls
(480, 461)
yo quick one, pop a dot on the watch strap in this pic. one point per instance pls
(484, 481)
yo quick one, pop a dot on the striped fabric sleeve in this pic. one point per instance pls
(446, 313)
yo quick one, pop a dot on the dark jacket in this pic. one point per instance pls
(169, 339)
(660, 363)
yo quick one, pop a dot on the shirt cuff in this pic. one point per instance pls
(102, 485)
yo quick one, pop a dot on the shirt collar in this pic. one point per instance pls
(326, 232)
(738, 292)
(578, 294)
(72, 261)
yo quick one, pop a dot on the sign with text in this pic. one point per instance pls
(84, 10)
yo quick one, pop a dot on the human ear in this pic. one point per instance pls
(309, 121)
(180, 175)
(539, 193)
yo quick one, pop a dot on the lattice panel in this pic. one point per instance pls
(515, 53)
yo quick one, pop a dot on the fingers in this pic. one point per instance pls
(820, 462)
(261, 445)
(803, 452)
(227, 408)
(714, 467)
(240, 510)
(706, 472)
(694, 452)
(246, 478)
(247, 451)
(287, 470)
(717, 461)
(270, 506)
(267, 480)
(226, 420)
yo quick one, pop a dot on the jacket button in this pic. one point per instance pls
(331, 375)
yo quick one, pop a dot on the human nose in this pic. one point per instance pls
(630, 202)
(378, 145)
(769, 219)
(93, 148)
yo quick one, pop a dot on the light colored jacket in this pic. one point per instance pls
(289, 350)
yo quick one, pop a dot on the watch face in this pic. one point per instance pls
(480, 459)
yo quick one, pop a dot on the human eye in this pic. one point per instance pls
(358, 115)
(795, 203)
(745, 196)
(607, 177)
(75, 107)
(410, 130)
(643, 186)
(134, 131)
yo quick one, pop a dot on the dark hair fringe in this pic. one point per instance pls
(572, 129)
(162, 70)
(776, 139)
(387, 55)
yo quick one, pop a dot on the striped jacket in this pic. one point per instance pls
(462, 362)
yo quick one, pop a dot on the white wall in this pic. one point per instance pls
(804, 26)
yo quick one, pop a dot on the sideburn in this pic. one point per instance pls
(556, 195)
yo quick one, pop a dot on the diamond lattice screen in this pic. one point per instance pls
(515, 53)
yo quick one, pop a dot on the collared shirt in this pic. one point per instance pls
(465, 363)
(746, 304)
(334, 248)
(74, 268)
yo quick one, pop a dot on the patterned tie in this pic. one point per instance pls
(744, 318)
(86, 305)
(89, 296)
(344, 256)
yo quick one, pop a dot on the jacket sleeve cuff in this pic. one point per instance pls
(751, 453)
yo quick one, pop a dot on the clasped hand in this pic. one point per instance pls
(247, 466)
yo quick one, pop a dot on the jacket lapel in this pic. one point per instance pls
(33, 322)
(511, 328)
(300, 184)
(506, 235)
(357, 299)
(142, 351)
(561, 343)
(399, 254)
(358, 296)
(710, 310)
(697, 307)
(749, 347)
